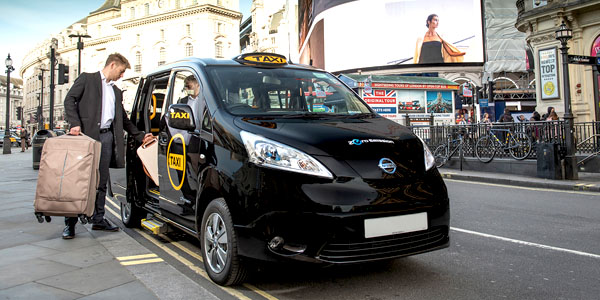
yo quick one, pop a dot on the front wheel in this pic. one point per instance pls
(519, 145)
(441, 155)
(219, 245)
(485, 150)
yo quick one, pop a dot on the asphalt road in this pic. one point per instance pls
(506, 243)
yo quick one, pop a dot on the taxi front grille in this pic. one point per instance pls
(384, 247)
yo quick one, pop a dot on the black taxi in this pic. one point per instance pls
(263, 159)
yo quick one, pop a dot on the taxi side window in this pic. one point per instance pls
(187, 90)
(154, 106)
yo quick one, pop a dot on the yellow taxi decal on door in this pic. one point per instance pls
(176, 161)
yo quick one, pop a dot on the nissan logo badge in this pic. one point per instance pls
(387, 165)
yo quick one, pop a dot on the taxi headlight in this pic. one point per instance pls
(429, 158)
(268, 153)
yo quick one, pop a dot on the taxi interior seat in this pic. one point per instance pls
(155, 112)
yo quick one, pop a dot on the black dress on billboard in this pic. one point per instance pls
(431, 52)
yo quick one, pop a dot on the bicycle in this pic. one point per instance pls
(518, 144)
(444, 152)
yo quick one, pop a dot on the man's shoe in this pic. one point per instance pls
(68, 232)
(105, 225)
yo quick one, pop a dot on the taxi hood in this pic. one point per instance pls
(361, 142)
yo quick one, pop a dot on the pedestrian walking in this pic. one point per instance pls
(24, 137)
(93, 106)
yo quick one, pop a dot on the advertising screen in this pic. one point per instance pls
(347, 34)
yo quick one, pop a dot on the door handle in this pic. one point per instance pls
(162, 138)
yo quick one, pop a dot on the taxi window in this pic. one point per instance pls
(187, 90)
(271, 91)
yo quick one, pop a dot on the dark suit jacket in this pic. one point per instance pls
(83, 107)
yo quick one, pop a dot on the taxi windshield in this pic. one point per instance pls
(248, 90)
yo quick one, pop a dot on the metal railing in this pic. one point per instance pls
(587, 135)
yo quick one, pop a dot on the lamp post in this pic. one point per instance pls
(79, 48)
(41, 97)
(564, 34)
(6, 143)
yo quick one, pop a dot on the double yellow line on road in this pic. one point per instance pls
(235, 293)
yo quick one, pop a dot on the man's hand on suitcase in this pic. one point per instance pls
(147, 137)
(75, 130)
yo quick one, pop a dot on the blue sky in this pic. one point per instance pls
(27, 23)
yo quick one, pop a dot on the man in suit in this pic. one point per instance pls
(93, 106)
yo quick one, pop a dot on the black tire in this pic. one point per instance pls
(485, 149)
(519, 145)
(219, 245)
(441, 155)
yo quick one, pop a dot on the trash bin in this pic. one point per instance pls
(548, 161)
(39, 138)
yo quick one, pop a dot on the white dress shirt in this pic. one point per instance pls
(108, 102)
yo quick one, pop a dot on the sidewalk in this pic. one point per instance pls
(37, 263)
(587, 181)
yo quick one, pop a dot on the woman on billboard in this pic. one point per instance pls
(433, 49)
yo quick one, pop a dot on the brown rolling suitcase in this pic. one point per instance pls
(68, 178)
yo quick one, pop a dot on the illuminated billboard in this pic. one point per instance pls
(347, 34)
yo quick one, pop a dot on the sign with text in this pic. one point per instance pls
(549, 73)
(583, 60)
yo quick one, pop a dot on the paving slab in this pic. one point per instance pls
(82, 257)
(31, 270)
(9, 256)
(34, 290)
(134, 290)
(91, 280)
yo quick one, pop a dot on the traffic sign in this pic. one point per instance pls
(584, 60)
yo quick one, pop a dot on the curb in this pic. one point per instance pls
(535, 183)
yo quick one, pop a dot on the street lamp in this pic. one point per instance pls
(79, 47)
(564, 34)
(6, 143)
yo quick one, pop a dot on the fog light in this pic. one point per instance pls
(276, 243)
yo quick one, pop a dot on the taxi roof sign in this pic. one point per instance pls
(261, 58)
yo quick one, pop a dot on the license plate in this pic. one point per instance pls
(395, 225)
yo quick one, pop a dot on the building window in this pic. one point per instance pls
(219, 50)
(219, 27)
(137, 38)
(132, 13)
(162, 34)
(162, 54)
(188, 29)
(138, 62)
(177, 3)
(194, 2)
(219, 2)
(99, 30)
(189, 49)
(147, 9)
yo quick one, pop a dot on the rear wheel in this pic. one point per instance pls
(519, 145)
(441, 155)
(485, 150)
(219, 245)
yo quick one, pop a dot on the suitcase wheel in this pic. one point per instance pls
(84, 220)
(48, 219)
(39, 217)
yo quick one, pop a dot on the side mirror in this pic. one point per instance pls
(181, 117)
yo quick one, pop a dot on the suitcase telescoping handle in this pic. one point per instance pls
(148, 143)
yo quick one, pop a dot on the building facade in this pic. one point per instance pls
(539, 20)
(148, 32)
(16, 100)
(273, 28)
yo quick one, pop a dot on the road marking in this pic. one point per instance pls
(142, 261)
(151, 255)
(199, 257)
(525, 188)
(191, 265)
(580, 253)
